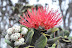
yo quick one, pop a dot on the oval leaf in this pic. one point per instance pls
(29, 36)
(41, 42)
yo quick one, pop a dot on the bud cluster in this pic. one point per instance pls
(16, 34)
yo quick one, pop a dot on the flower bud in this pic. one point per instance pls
(10, 31)
(22, 40)
(24, 30)
(17, 43)
(14, 37)
(17, 34)
(16, 29)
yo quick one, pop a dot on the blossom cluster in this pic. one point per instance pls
(16, 34)
(41, 17)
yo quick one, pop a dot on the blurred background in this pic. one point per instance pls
(10, 10)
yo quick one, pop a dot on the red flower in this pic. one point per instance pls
(41, 17)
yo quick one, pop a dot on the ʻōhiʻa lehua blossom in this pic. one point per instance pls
(41, 17)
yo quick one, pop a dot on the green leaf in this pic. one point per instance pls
(51, 47)
(64, 33)
(54, 45)
(8, 42)
(30, 47)
(36, 36)
(54, 29)
(41, 42)
(53, 40)
(29, 36)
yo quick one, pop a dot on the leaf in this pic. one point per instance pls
(65, 40)
(54, 29)
(30, 47)
(35, 37)
(64, 33)
(51, 47)
(29, 36)
(41, 42)
(8, 42)
(54, 45)
(53, 40)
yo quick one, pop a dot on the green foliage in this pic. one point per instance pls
(9, 42)
(53, 40)
(64, 33)
(54, 29)
(41, 42)
(29, 36)
(20, 8)
(40, 38)
(36, 36)
(30, 47)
